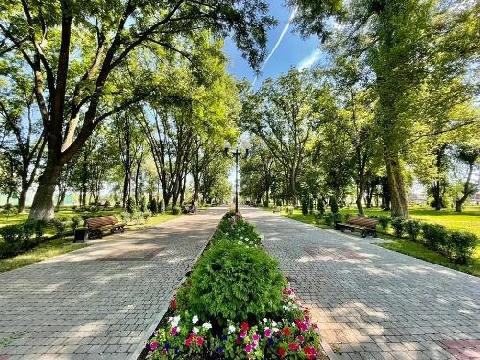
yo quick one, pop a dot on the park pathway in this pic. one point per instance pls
(102, 301)
(372, 303)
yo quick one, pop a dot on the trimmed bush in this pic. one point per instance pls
(13, 240)
(398, 225)
(461, 246)
(413, 229)
(60, 227)
(384, 221)
(435, 236)
(331, 219)
(76, 221)
(305, 206)
(236, 229)
(175, 210)
(233, 282)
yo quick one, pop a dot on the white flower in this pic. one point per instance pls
(195, 330)
(274, 323)
(174, 321)
(207, 325)
(231, 329)
(264, 320)
(195, 319)
(275, 330)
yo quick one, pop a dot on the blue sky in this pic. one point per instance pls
(292, 50)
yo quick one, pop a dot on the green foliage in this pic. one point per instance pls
(153, 206)
(236, 229)
(331, 218)
(147, 214)
(233, 282)
(399, 226)
(131, 208)
(413, 228)
(460, 246)
(333, 204)
(384, 221)
(76, 221)
(60, 227)
(305, 206)
(176, 210)
(435, 236)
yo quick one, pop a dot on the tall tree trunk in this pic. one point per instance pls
(467, 191)
(396, 186)
(42, 205)
(360, 191)
(21, 199)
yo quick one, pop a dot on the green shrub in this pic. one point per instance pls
(233, 282)
(331, 219)
(137, 216)
(347, 216)
(318, 217)
(175, 210)
(60, 227)
(237, 230)
(320, 206)
(384, 221)
(435, 236)
(147, 214)
(13, 240)
(333, 204)
(76, 221)
(131, 208)
(413, 229)
(107, 204)
(161, 208)
(461, 246)
(40, 226)
(398, 225)
(305, 206)
(153, 206)
(126, 217)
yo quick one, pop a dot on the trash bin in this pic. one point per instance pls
(80, 235)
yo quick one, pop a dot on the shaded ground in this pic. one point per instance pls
(102, 301)
(372, 303)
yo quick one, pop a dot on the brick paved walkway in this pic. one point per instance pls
(372, 303)
(103, 301)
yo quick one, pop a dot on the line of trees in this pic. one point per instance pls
(396, 102)
(73, 66)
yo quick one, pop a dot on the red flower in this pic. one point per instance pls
(200, 340)
(281, 352)
(293, 346)
(244, 326)
(238, 341)
(286, 331)
(188, 341)
(310, 352)
(300, 338)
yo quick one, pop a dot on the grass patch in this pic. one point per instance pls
(419, 251)
(153, 221)
(307, 219)
(43, 251)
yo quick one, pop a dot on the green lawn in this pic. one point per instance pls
(57, 247)
(469, 220)
(43, 251)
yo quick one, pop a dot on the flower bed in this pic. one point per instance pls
(235, 305)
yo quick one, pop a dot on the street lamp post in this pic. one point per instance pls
(235, 153)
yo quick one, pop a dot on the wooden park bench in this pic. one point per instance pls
(96, 226)
(363, 224)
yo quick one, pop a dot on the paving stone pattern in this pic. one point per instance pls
(372, 303)
(103, 301)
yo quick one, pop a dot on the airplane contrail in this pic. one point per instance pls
(279, 41)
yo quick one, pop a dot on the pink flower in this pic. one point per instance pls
(267, 332)
(301, 325)
(310, 352)
(154, 345)
(174, 331)
(243, 334)
(256, 337)
(248, 348)
(300, 338)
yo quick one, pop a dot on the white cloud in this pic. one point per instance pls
(279, 41)
(310, 60)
